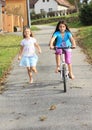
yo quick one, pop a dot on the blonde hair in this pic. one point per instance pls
(26, 27)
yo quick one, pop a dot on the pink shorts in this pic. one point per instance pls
(67, 53)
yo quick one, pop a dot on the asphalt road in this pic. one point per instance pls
(24, 106)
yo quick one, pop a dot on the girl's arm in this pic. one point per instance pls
(20, 53)
(38, 47)
(73, 42)
(52, 42)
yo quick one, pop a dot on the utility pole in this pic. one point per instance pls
(28, 13)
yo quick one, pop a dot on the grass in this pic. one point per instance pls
(71, 25)
(9, 47)
(85, 40)
(33, 28)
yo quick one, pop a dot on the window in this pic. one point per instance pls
(42, 10)
(47, 0)
(43, 0)
(50, 9)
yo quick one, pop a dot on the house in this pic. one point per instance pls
(46, 6)
(32, 5)
(2, 4)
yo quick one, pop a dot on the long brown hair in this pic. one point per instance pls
(27, 27)
(61, 22)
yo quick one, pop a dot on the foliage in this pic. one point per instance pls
(86, 14)
(69, 18)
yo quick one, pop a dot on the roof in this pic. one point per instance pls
(32, 3)
(60, 2)
(64, 3)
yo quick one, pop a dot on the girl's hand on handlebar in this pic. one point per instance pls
(52, 47)
(73, 46)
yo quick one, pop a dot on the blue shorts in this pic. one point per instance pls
(30, 61)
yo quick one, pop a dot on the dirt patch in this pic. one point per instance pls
(4, 76)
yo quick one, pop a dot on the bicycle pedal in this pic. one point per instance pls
(59, 71)
(69, 75)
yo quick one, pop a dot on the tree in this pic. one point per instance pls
(86, 14)
(76, 2)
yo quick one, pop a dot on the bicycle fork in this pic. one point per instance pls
(65, 69)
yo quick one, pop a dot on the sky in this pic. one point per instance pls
(82, 0)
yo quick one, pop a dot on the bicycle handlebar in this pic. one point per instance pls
(64, 47)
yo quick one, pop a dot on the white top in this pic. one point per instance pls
(29, 48)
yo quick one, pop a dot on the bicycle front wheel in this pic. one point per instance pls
(64, 77)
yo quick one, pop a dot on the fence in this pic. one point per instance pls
(52, 14)
(0, 17)
(10, 21)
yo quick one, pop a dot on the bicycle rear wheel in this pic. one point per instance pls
(64, 77)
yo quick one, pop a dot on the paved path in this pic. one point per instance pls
(22, 105)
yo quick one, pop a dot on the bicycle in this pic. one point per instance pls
(64, 74)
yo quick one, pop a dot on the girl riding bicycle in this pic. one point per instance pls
(62, 37)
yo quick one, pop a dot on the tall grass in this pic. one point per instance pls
(9, 47)
(85, 40)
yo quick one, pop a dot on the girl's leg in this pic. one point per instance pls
(68, 57)
(34, 63)
(30, 74)
(34, 69)
(70, 71)
(58, 60)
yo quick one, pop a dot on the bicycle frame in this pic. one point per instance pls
(63, 68)
(63, 71)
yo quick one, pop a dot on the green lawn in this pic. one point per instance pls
(9, 47)
(85, 40)
(34, 28)
(71, 25)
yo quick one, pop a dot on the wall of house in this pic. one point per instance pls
(62, 8)
(17, 7)
(45, 5)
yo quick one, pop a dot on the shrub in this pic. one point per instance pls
(86, 14)
(55, 19)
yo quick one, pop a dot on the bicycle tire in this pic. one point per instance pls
(64, 77)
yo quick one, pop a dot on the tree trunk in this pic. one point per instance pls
(76, 2)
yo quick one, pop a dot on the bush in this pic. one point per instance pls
(55, 19)
(86, 14)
